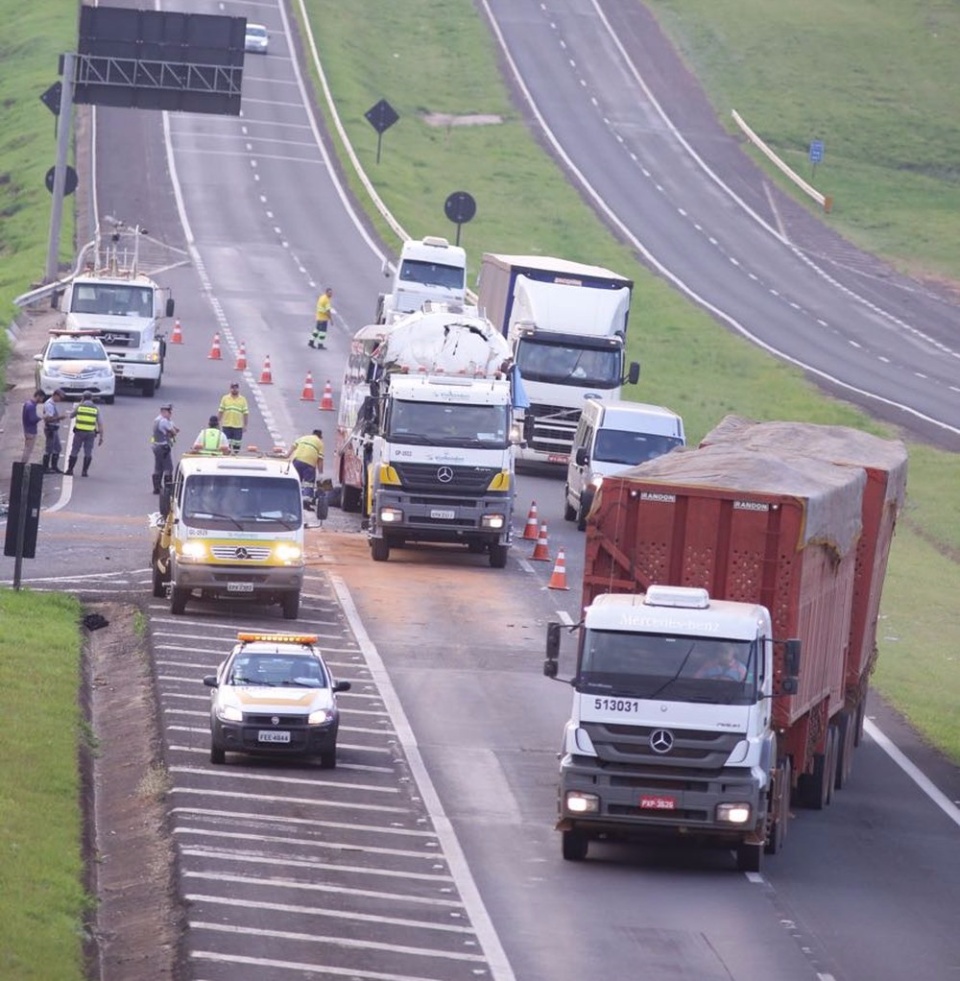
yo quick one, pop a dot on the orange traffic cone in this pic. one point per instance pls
(177, 337)
(326, 400)
(532, 528)
(215, 347)
(241, 364)
(541, 553)
(559, 578)
(308, 395)
(266, 376)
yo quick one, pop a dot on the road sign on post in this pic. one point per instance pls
(816, 153)
(381, 117)
(460, 208)
(23, 520)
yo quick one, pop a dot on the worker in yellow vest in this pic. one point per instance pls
(212, 440)
(87, 430)
(307, 457)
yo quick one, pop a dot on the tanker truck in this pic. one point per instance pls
(425, 437)
(728, 593)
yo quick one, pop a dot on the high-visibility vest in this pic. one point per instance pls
(210, 441)
(85, 421)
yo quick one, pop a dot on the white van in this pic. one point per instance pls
(613, 436)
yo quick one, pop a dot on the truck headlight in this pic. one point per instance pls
(288, 552)
(734, 813)
(193, 551)
(493, 521)
(391, 516)
(319, 717)
(576, 802)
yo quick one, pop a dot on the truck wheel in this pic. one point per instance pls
(569, 511)
(149, 387)
(328, 759)
(498, 556)
(778, 830)
(349, 499)
(749, 857)
(109, 399)
(830, 763)
(845, 741)
(291, 605)
(159, 583)
(812, 787)
(379, 549)
(217, 756)
(575, 846)
(178, 600)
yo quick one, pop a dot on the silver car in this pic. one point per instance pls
(76, 362)
(257, 39)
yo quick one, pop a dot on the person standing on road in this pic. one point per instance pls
(324, 310)
(32, 411)
(212, 441)
(162, 440)
(233, 416)
(87, 428)
(52, 447)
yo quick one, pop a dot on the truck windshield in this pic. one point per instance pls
(113, 299)
(676, 667)
(240, 502)
(566, 365)
(620, 446)
(433, 274)
(444, 423)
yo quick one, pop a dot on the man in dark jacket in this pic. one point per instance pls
(31, 422)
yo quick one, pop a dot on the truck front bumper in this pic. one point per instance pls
(425, 518)
(728, 805)
(237, 581)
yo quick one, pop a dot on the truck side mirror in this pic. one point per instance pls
(550, 664)
(789, 686)
(582, 456)
(169, 309)
(633, 373)
(791, 658)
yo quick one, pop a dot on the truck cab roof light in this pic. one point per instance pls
(680, 597)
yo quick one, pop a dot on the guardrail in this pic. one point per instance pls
(824, 200)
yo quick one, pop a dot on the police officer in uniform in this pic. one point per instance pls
(162, 440)
(87, 427)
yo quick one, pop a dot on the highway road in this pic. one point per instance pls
(429, 853)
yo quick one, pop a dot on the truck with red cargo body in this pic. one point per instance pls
(695, 715)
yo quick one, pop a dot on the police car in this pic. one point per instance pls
(75, 362)
(274, 695)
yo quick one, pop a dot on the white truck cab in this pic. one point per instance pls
(429, 270)
(610, 437)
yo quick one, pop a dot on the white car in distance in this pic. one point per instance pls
(257, 39)
(75, 363)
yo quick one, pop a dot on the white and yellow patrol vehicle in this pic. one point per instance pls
(275, 695)
(230, 527)
(75, 361)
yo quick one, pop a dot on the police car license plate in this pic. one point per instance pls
(273, 736)
(655, 802)
(239, 587)
(443, 514)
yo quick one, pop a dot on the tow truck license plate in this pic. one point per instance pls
(658, 803)
(443, 515)
(273, 736)
(239, 587)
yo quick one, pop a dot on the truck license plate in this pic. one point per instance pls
(657, 803)
(273, 736)
(443, 514)
(239, 587)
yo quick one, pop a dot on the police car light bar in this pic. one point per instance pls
(248, 638)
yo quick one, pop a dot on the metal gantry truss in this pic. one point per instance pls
(171, 76)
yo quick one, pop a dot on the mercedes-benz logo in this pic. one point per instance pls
(661, 741)
(445, 475)
(275, 719)
(242, 553)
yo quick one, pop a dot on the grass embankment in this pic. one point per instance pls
(798, 72)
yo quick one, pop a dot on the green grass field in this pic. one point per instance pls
(875, 79)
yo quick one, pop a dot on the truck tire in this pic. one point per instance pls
(178, 600)
(349, 499)
(109, 399)
(379, 549)
(749, 857)
(846, 735)
(159, 583)
(328, 759)
(575, 846)
(291, 605)
(569, 511)
(778, 830)
(498, 555)
(148, 387)
(812, 787)
(833, 749)
(217, 756)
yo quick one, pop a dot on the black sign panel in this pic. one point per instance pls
(154, 59)
(51, 98)
(69, 180)
(460, 207)
(25, 496)
(381, 116)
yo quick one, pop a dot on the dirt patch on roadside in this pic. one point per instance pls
(442, 119)
(137, 924)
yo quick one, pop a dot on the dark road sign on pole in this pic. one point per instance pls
(381, 117)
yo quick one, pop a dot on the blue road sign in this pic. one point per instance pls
(816, 151)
